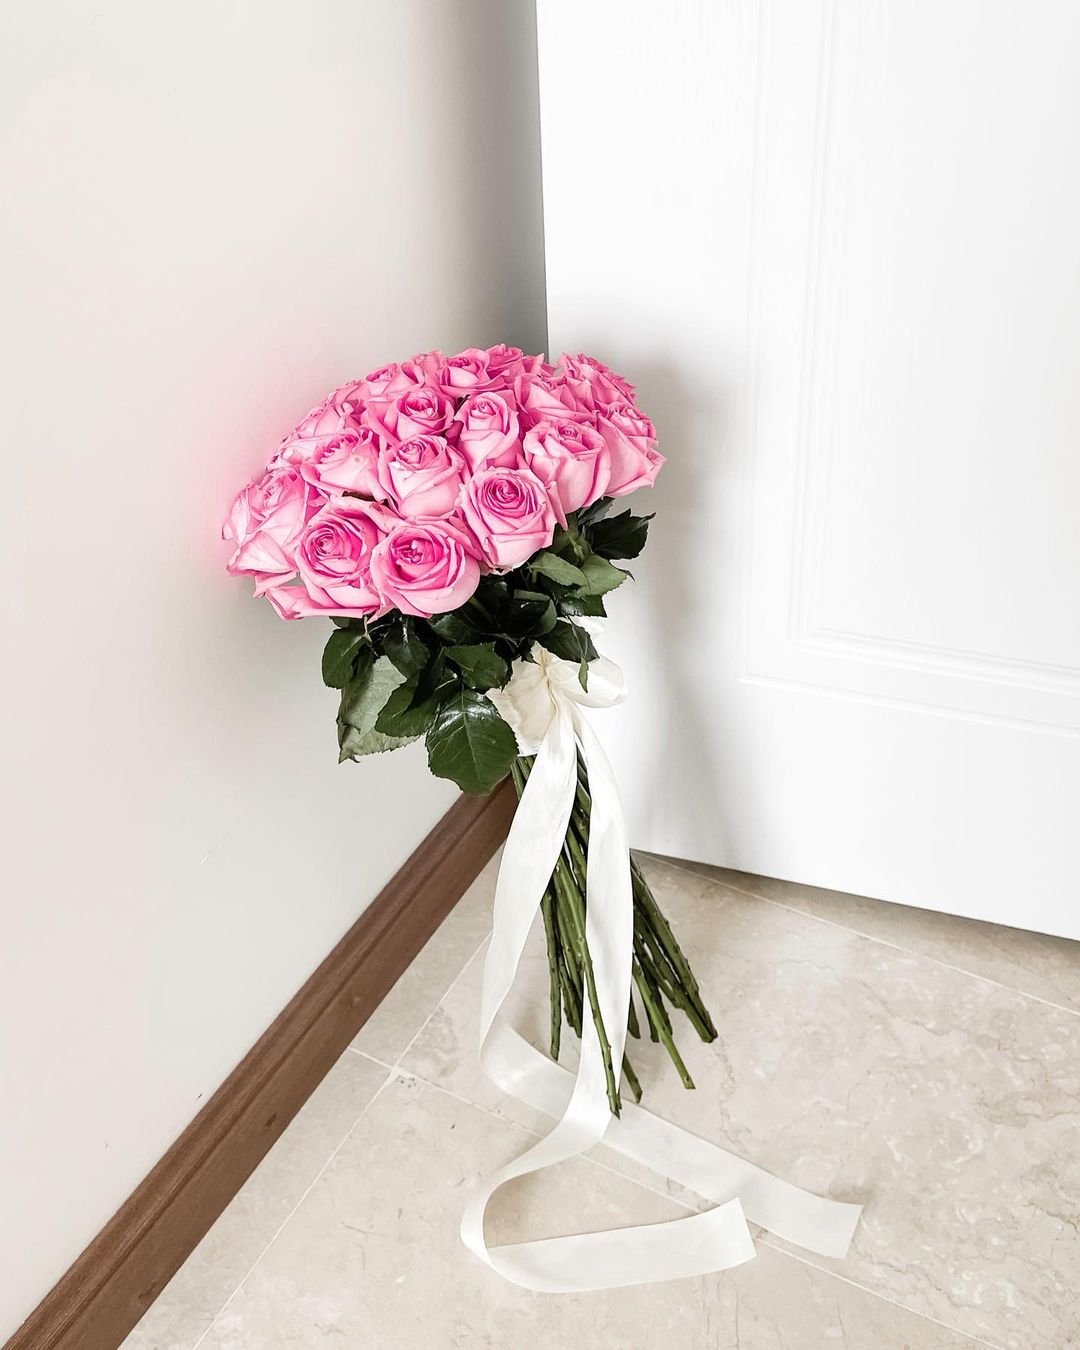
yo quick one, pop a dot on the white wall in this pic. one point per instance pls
(215, 211)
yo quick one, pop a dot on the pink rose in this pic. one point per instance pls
(544, 397)
(348, 462)
(425, 567)
(466, 373)
(335, 414)
(593, 383)
(422, 475)
(489, 431)
(510, 513)
(349, 398)
(424, 367)
(421, 412)
(572, 459)
(631, 441)
(324, 420)
(390, 382)
(264, 522)
(333, 556)
(294, 602)
(505, 362)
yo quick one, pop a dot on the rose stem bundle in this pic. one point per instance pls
(660, 970)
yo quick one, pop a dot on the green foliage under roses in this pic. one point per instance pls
(402, 677)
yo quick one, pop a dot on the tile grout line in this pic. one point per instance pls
(400, 1070)
(869, 937)
(444, 996)
(392, 1074)
(287, 1219)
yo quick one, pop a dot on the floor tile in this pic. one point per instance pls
(187, 1305)
(1034, 963)
(949, 1104)
(373, 1258)
(418, 991)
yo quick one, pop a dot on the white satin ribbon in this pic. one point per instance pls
(543, 703)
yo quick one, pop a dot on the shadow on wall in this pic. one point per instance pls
(674, 622)
(689, 774)
(501, 189)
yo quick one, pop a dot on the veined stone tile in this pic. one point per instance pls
(373, 1258)
(1034, 963)
(949, 1105)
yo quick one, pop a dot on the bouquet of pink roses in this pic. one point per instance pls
(450, 515)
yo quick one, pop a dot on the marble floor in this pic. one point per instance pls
(926, 1065)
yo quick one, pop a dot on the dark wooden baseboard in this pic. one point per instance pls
(97, 1302)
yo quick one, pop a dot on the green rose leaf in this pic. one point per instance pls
(560, 571)
(480, 664)
(404, 646)
(451, 627)
(340, 655)
(590, 514)
(562, 541)
(527, 614)
(470, 743)
(354, 744)
(364, 697)
(570, 642)
(581, 606)
(409, 713)
(621, 536)
(601, 576)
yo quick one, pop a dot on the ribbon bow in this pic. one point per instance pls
(543, 703)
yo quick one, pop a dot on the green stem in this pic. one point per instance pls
(632, 1024)
(555, 995)
(551, 939)
(575, 903)
(660, 969)
(655, 1015)
(570, 972)
(674, 953)
(631, 1078)
(689, 999)
(650, 955)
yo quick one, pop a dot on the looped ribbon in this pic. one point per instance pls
(544, 703)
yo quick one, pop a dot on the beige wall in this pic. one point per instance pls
(216, 212)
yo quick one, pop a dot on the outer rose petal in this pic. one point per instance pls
(294, 602)
(262, 554)
(543, 397)
(635, 463)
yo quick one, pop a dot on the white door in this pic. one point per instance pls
(838, 246)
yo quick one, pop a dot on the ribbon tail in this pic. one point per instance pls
(695, 1244)
(810, 1221)
(691, 1245)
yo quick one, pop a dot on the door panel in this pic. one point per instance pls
(837, 246)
